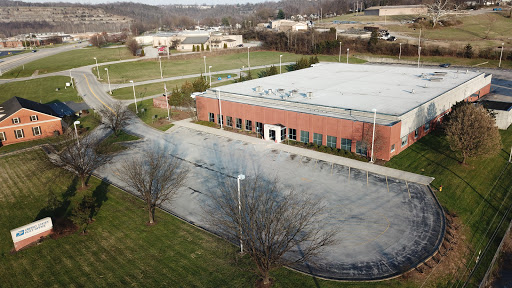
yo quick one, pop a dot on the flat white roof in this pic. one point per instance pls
(392, 90)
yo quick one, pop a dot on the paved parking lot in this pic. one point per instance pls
(385, 226)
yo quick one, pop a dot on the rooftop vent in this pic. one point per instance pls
(309, 95)
(440, 73)
(280, 90)
(412, 91)
(436, 79)
(259, 89)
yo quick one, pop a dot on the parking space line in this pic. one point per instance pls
(366, 177)
(408, 191)
(332, 167)
(349, 173)
(387, 185)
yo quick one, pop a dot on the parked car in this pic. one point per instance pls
(34, 51)
(240, 45)
(391, 38)
(445, 65)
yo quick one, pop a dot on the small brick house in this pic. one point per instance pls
(25, 120)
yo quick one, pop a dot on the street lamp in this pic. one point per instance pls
(108, 78)
(373, 135)
(76, 132)
(210, 73)
(240, 177)
(97, 68)
(348, 49)
(280, 56)
(204, 58)
(400, 53)
(248, 58)
(71, 78)
(419, 56)
(339, 56)
(134, 98)
(501, 54)
(161, 74)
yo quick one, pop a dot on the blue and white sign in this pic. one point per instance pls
(31, 229)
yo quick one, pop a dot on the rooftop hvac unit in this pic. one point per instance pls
(270, 91)
(280, 90)
(440, 73)
(436, 79)
(309, 95)
(259, 89)
(412, 91)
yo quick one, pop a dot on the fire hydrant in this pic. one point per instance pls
(441, 188)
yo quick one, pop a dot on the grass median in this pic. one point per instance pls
(70, 59)
(152, 116)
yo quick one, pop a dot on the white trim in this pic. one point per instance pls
(39, 130)
(31, 111)
(16, 134)
(18, 121)
(28, 124)
(37, 118)
(3, 138)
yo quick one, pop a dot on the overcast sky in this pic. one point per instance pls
(158, 2)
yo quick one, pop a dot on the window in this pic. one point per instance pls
(392, 148)
(2, 136)
(346, 144)
(220, 119)
(238, 123)
(33, 118)
(317, 138)
(211, 117)
(361, 148)
(229, 121)
(304, 136)
(331, 141)
(416, 133)
(427, 126)
(15, 120)
(404, 140)
(248, 125)
(292, 134)
(18, 133)
(283, 133)
(259, 128)
(36, 130)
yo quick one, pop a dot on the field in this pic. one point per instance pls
(68, 60)
(42, 90)
(475, 193)
(150, 69)
(159, 122)
(119, 248)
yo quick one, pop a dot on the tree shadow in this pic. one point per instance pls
(100, 196)
(62, 209)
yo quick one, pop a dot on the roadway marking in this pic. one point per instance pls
(348, 173)
(387, 185)
(366, 177)
(87, 80)
(305, 179)
(332, 167)
(408, 191)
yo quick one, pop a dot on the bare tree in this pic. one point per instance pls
(154, 176)
(133, 46)
(82, 157)
(437, 10)
(275, 227)
(471, 130)
(379, 143)
(115, 117)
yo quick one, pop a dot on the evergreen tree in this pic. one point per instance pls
(280, 14)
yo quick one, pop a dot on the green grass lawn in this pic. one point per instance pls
(468, 191)
(111, 144)
(159, 122)
(119, 249)
(70, 59)
(42, 90)
(148, 89)
(150, 69)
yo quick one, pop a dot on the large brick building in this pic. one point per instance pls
(24, 120)
(335, 104)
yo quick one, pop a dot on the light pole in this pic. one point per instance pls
(76, 132)
(97, 68)
(108, 78)
(220, 110)
(280, 56)
(134, 98)
(167, 103)
(161, 73)
(501, 54)
(373, 135)
(248, 59)
(348, 49)
(210, 73)
(419, 56)
(400, 53)
(339, 56)
(71, 78)
(240, 177)
(204, 58)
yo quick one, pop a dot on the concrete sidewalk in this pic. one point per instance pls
(365, 166)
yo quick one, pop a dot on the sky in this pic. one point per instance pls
(155, 2)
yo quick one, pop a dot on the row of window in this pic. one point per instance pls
(405, 139)
(18, 121)
(19, 133)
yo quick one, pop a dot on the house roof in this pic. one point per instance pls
(68, 108)
(14, 104)
(195, 40)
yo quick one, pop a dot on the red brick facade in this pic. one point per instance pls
(26, 125)
(20, 244)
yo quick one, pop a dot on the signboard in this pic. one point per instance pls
(32, 229)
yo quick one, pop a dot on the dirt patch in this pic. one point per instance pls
(181, 114)
(502, 276)
(450, 257)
